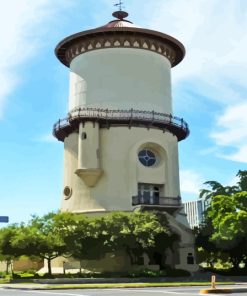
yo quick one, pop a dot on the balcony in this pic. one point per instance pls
(107, 118)
(169, 204)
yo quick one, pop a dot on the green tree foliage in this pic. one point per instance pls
(133, 233)
(82, 237)
(224, 231)
(162, 241)
(141, 232)
(229, 219)
(216, 188)
(8, 252)
(242, 183)
(39, 238)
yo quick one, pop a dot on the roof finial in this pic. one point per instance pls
(120, 14)
(119, 5)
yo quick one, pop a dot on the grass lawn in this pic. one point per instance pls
(132, 285)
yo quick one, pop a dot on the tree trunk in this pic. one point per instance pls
(11, 266)
(235, 263)
(128, 251)
(80, 266)
(8, 266)
(49, 266)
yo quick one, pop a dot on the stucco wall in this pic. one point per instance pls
(118, 158)
(121, 78)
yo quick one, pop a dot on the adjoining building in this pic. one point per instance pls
(195, 212)
(121, 136)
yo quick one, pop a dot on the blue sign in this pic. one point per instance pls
(4, 219)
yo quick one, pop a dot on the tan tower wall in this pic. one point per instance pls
(118, 149)
(121, 78)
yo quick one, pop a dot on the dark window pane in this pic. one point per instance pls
(147, 157)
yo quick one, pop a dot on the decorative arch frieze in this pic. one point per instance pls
(127, 42)
(84, 42)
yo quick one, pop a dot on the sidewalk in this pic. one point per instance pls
(240, 288)
(23, 286)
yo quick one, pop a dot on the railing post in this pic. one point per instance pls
(130, 119)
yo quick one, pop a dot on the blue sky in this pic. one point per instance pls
(209, 91)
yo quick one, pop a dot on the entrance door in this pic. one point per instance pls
(149, 193)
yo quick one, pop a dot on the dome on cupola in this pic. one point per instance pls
(120, 22)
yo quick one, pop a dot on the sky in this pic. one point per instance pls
(209, 91)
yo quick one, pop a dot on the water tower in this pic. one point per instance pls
(120, 135)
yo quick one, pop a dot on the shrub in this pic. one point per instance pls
(16, 276)
(228, 272)
(178, 273)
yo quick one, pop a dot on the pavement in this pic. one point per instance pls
(14, 290)
(237, 288)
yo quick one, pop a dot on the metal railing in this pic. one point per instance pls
(161, 201)
(129, 117)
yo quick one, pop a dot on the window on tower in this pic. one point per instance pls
(149, 193)
(147, 157)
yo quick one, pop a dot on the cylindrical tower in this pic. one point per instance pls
(120, 136)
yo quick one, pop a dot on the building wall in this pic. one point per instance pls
(117, 153)
(121, 78)
(195, 212)
(185, 247)
(24, 264)
(3, 266)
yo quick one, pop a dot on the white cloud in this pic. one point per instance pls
(216, 44)
(48, 138)
(215, 64)
(232, 132)
(190, 182)
(233, 181)
(22, 28)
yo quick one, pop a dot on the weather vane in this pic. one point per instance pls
(119, 5)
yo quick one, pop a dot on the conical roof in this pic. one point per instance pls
(120, 33)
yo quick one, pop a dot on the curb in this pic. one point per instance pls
(223, 291)
(216, 291)
(47, 287)
(25, 288)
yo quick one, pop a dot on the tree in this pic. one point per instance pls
(162, 241)
(40, 238)
(217, 188)
(138, 233)
(222, 216)
(134, 233)
(7, 252)
(84, 237)
(229, 219)
(207, 250)
(242, 183)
